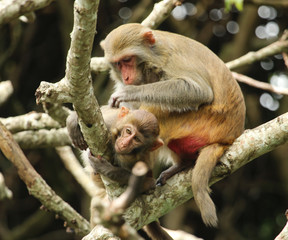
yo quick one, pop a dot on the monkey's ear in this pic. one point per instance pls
(149, 38)
(102, 44)
(158, 143)
(123, 112)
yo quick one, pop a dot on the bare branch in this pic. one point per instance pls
(283, 235)
(110, 215)
(29, 121)
(76, 87)
(160, 12)
(275, 48)
(10, 10)
(37, 186)
(99, 233)
(5, 192)
(257, 84)
(42, 138)
(6, 89)
(73, 165)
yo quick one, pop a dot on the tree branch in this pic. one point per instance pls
(76, 87)
(5, 192)
(10, 10)
(6, 89)
(284, 233)
(160, 12)
(275, 48)
(37, 186)
(29, 121)
(73, 165)
(258, 84)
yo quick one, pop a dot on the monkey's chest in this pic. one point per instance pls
(187, 147)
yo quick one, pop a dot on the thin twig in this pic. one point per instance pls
(73, 165)
(257, 84)
(275, 48)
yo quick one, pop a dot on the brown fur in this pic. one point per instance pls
(191, 93)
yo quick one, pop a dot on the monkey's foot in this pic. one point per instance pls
(162, 179)
(168, 173)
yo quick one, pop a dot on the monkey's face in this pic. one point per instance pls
(128, 140)
(127, 69)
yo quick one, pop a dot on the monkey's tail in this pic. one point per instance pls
(204, 166)
(156, 232)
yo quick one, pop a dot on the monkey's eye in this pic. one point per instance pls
(117, 64)
(128, 131)
(137, 139)
(127, 59)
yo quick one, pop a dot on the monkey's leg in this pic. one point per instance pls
(204, 166)
(175, 168)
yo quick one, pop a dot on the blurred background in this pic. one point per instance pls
(251, 203)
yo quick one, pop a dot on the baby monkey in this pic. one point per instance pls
(134, 136)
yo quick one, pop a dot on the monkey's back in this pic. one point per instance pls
(220, 121)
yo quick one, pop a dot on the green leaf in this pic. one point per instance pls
(237, 3)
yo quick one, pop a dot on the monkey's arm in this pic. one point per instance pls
(177, 94)
(117, 174)
(106, 169)
(74, 131)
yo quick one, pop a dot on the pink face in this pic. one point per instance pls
(127, 67)
(128, 140)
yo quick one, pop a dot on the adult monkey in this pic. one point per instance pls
(198, 104)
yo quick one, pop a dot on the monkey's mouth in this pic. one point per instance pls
(121, 150)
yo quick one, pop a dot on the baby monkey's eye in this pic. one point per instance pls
(137, 139)
(128, 130)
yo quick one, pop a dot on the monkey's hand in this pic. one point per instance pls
(116, 99)
(105, 168)
(126, 94)
(74, 132)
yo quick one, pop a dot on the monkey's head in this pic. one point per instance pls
(136, 131)
(127, 48)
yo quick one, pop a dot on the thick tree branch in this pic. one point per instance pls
(76, 87)
(37, 186)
